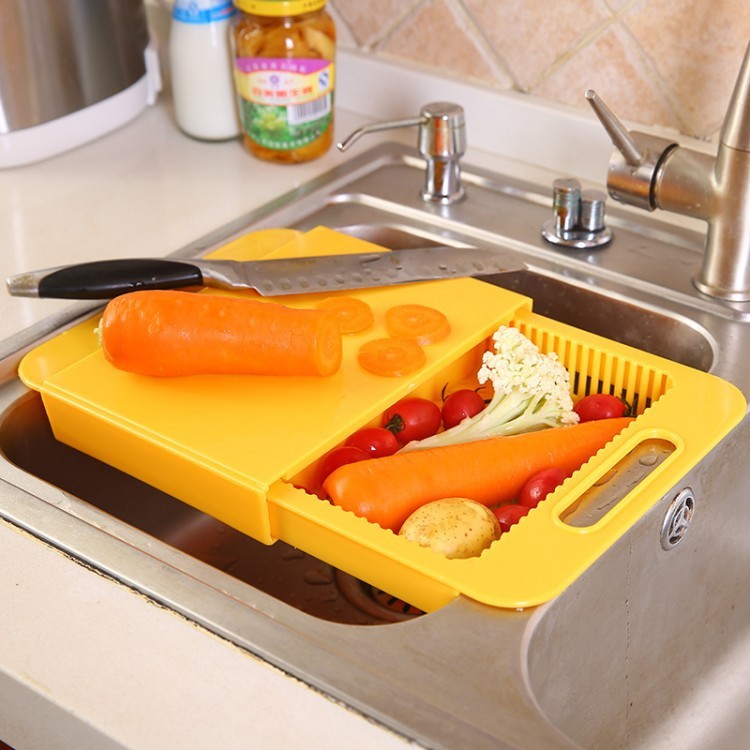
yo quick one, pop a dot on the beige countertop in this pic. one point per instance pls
(144, 190)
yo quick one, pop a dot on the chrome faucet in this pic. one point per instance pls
(441, 141)
(652, 172)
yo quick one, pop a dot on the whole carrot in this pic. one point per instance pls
(387, 490)
(170, 333)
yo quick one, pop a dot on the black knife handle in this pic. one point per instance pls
(105, 279)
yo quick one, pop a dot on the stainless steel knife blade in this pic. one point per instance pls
(278, 276)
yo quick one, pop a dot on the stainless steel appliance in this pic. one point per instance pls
(70, 71)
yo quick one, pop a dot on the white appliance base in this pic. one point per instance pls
(47, 139)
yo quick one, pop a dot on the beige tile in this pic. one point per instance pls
(611, 66)
(618, 6)
(439, 36)
(529, 37)
(670, 63)
(345, 38)
(370, 20)
(696, 47)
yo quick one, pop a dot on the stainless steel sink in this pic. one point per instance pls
(634, 654)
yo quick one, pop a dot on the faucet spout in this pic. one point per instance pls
(735, 132)
(651, 172)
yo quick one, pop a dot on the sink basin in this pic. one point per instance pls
(633, 654)
(279, 570)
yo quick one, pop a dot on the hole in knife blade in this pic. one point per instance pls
(370, 258)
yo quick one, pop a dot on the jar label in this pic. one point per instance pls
(284, 103)
(202, 11)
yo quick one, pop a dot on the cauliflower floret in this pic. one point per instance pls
(531, 391)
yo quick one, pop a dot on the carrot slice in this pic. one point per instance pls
(388, 490)
(425, 325)
(391, 357)
(171, 333)
(354, 314)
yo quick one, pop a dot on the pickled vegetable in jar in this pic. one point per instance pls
(284, 74)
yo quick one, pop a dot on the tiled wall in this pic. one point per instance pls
(669, 63)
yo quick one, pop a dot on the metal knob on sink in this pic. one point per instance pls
(578, 217)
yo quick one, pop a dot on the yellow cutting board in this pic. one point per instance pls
(219, 441)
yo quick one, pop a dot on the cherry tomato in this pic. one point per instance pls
(600, 406)
(375, 441)
(539, 485)
(459, 405)
(412, 419)
(509, 514)
(344, 454)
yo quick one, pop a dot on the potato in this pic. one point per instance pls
(454, 526)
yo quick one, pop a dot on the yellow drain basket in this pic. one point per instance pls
(240, 448)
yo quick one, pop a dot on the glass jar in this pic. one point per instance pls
(284, 74)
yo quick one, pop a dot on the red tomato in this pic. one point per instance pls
(510, 514)
(375, 441)
(459, 405)
(600, 406)
(539, 485)
(344, 454)
(412, 419)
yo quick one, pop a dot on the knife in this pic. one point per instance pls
(105, 279)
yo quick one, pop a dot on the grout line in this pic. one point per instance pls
(497, 63)
(657, 80)
(398, 23)
(340, 21)
(583, 41)
(617, 23)
(499, 72)
(622, 10)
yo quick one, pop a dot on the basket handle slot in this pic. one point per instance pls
(604, 494)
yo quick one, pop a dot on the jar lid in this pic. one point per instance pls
(279, 7)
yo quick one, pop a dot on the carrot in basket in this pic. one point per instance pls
(170, 333)
(387, 490)
(354, 314)
(424, 324)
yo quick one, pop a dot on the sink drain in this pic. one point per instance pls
(677, 519)
(374, 601)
